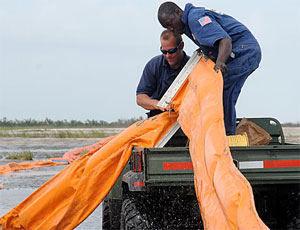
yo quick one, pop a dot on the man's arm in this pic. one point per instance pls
(225, 48)
(147, 102)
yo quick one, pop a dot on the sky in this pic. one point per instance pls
(80, 60)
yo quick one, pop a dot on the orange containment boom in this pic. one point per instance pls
(67, 158)
(15, 167)
(72, 195)
(224, 195)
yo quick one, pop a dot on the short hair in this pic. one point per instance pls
(167, 8)
(166, 34)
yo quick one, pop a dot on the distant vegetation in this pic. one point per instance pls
(26, 155)
(48, 123)
(290, 124)
(58, 134)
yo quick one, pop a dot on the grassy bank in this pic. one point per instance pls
(31, 128)
(26, 155)
(54, 134)
(48, 123)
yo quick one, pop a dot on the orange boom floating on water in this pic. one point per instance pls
(68, 157)
(224, 195)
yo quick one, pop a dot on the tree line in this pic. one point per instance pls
(120, 123)
(291, 124)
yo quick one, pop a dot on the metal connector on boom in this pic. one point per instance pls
(173, 89)
(179, 80)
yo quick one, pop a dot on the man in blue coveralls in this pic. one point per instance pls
(160, 72)
(222, 38)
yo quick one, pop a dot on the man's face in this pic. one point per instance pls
(173, 22)
(174, 59)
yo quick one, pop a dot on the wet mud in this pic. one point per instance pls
(18, 186)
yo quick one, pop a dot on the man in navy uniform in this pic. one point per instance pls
(222, 38)
(160, 72)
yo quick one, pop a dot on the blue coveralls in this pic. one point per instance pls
(206, 27)
(157, 78)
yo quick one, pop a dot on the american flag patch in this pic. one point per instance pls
(204, 20)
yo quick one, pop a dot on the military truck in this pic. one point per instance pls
(156, 188)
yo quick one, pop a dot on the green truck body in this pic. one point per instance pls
(156, 188)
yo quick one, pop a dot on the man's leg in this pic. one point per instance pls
(231, 91)
(238, 71)
(229, 110)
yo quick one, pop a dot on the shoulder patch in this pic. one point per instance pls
(204, 20)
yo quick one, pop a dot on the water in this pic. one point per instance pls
(18, 186)
(42, 148)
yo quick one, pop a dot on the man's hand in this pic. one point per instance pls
(220, 66)
(155, 102)
(147, 102)
(225, 48)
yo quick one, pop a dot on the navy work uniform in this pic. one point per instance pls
(206, 27)
(157, 78)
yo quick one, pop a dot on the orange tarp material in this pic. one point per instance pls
(74, 154)
(68, 157)
(224, 195)
(14, 167)
(68, 198)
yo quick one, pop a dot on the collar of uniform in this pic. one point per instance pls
(185, 59)
(165, 63)
(185, 19)
(186, 11)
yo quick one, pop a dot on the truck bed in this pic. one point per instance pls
(270, 164)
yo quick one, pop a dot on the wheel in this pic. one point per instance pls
(290, 211)
(111, 210)
(134, 216)
(294, 222)
(105, 215)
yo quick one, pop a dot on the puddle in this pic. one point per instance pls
(18, 186)
(41, 148)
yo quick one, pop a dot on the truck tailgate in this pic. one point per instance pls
(259, 164)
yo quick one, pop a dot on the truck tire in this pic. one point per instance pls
(294, 224)
(134, 216)
(111, 213)
(289, 215)
(105, 215)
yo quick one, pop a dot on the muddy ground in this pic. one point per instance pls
(50, 132)
(17, 186)
(292, 134)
